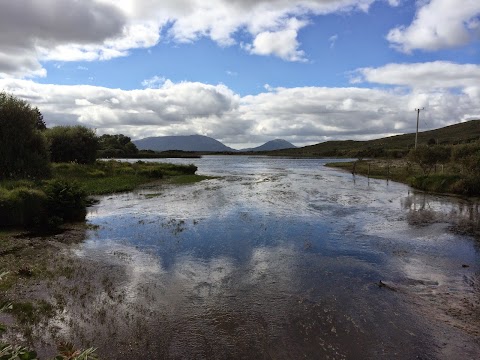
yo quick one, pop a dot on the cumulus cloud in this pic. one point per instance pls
(302, 115)
(162, 109)
(430, 75)
(439, 24)
(282, 43)
(34, 31)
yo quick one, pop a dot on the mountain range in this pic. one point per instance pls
(202, 143)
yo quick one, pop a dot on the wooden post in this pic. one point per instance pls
(418, 117)
(368, 170)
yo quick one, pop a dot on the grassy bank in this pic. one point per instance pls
(63, 198)
(39, 260)
(107, 177)
(443, 179)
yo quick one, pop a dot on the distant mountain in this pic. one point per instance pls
(184, 143)
(277, 144)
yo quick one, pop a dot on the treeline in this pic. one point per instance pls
(37, 193)
(28, 147)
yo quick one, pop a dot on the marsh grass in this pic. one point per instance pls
(106, 177)
(440, 181)
(188, 179)
(44, 205)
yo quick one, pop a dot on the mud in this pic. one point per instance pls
(277, 259)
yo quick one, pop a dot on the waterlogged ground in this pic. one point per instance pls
(277, 259)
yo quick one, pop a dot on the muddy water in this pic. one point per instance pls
(279, 259)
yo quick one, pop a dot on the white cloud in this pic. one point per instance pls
(33, 31)
(301, 115)
(154, 82)
(439, 24)
(431, 75)
(282, 43)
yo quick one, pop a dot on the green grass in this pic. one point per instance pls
(44, 205)
(106, 177)
(445, 181)
(392, 147)
(391, 170)
(188, 179)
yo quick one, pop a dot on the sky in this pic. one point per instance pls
(244, 71)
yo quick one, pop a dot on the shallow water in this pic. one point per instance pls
(282, 259)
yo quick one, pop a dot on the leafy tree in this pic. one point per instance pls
(39, 123)
(116, 146)
(23, 148)
(72, 144)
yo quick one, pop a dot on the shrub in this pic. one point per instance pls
(152, 173)
(23, 148)
(66, 200)
(72, 144)
(428, 156)
(116, 146)
(23, 207)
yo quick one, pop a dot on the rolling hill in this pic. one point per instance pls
(453, 134)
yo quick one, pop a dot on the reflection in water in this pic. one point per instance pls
(463, 215)
(280, 259)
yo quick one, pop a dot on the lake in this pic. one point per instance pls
(278, 259)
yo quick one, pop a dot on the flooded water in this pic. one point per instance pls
(280, 259)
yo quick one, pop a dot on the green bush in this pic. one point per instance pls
(72, 144)
(66, 200)
(428, 156)
(59, 201)
(23, 147)
(469, 186)
(151, 173)
(23, 207)
(116, 146)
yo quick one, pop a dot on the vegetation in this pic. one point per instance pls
(28, 200)
(27, 312)
(451, 169)
(44, 205)
(116, 146)
(72, 143)
(393, 147)
(23, 147)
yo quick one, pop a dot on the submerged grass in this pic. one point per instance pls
(188, 179)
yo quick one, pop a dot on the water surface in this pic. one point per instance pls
(282, 259)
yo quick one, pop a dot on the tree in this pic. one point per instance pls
(72, 144)
(116, 146)
(23, 148)
(39, 123)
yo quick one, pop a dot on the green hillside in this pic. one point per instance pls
(393, 146)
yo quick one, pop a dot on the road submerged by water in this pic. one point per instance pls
(275, 259)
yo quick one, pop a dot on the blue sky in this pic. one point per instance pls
(244, 72)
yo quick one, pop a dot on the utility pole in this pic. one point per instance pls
(418, 117)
